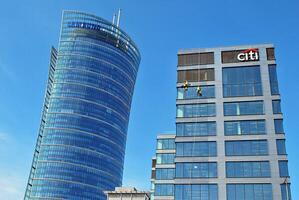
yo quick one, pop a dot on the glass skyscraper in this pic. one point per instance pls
(229, 142)
(81, 142)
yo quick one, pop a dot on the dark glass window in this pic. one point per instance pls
(242, 81)
(270, 54)
(196, 129)
(245, 127)
(200, 92)
(196, 170)
(278, 124)
(196, 192)
(243, 108)
(251, 169)
(249, 191)
(276, 107)
(196, 75)
(286, 191)
(165, 144)
(246, 148)
(283, 168)
(165, 158)
(201, 149)
(164, 190)
(281, 147)
(196, 59)
(196, 110)
(273, 80)
(164, 173)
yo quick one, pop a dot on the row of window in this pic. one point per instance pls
(229, 108)
(242, 169)
(236, 127)
(232, 148)
(237, 82)
(206, 58)
(253, 191)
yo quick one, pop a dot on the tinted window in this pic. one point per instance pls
(242, 81)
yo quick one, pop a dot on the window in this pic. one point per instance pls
(196, 75)
(270, 54)
(244, 108)
(196, 59)
(281, 147)
(165, 144)
(276, 107)
(165, 158)
(285, 192)
(230, 56)
(164, 190)
(196, 192)
(278, 125)
(246, 148)
(273, 80)
(196, 129)
(196, 110)
(242, 81)
(196, 170)
(283, 168)
(245, 127)
(256, 169)
(196, 149)
(249, 191)
(164, 173)
(207, 91)
(206, 58)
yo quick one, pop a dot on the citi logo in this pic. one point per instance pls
(249, 55)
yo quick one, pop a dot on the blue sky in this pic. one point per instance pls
(159, 27)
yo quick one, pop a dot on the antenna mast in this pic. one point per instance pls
(118, 17)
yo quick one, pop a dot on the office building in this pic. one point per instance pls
(127, 193)
(229, 142)
(82, 137)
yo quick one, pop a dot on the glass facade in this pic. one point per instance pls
(196, 129)
(165, 144)
(245, 127)
(196, 191)
(242, 81)
(281, 147)
(273, 80)
(196, 110)
(285, 191)
(165, 158)
(164, 173)
(196, 170)
(243, 108)
(200, 92)
(249, 192)
(228, 123)
(278, 125)
(283, 168)
(246, 148)
(198, 149)
(253, 169)
(276, 107)
(81, 144)
(164, 190)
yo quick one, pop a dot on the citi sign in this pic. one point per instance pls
(248, 55)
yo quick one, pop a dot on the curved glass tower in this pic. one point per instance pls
(81, 143)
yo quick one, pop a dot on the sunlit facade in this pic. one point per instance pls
(81, 143)
(229, 142)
